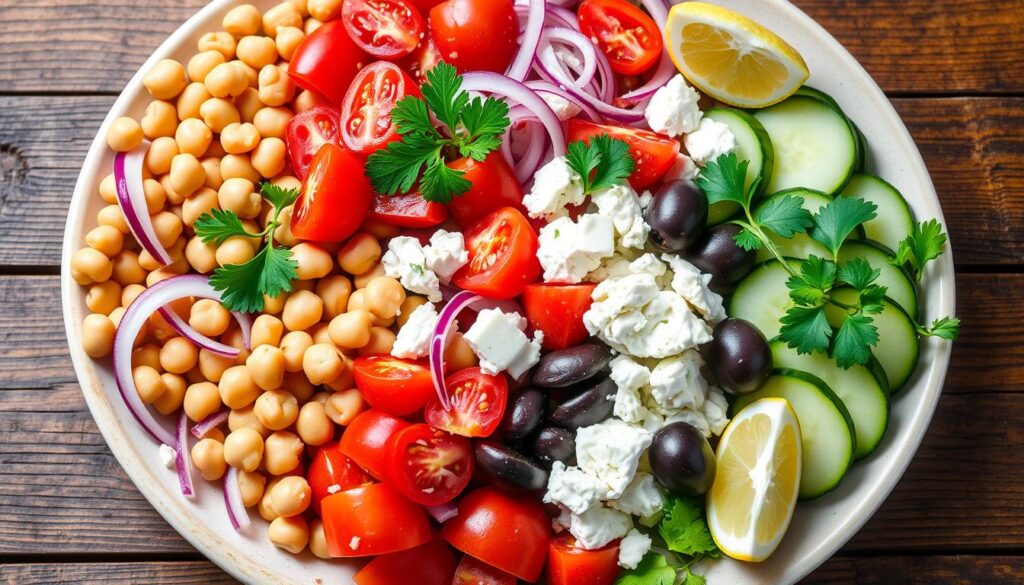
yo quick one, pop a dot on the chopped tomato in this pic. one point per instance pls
(557, 310)
(422, 60)
(335, 182)
(307, 132)
(570, 565)
(474, 572)
(411, 211)
(503, 530)
(429, 466)
(366, 119)
(652, 153)
(331, 471)
(387, 29)
(373, 520)
(432, 563)
(627, 35)
(393, 385)
(365, 440)
(327, 61)
(494, 185)
(502, 255)
(476, 35)
(477, 400)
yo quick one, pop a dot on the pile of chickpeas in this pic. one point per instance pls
(216, 128)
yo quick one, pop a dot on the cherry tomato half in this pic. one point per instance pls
(503, 530)
(477, 400)
(365, 440)
(570, 565)
(386, 29)
(629, 37)
(373, 520)
(332, 471)
(557, 310)
(327, 61)
(432, 563)
(411, 211)
(476, 35)
(366, 113)
(494, 185)
(425, 5)
(502, 255)
(307, 132)
(429, 466)
(653, 154)
(393, 385)
(422, 60)
(335, 196)
(474, 572)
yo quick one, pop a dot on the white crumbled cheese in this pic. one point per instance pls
(641, 498)
(611, 451)
(570, 250)
(563, 108)
(333, 488)
(715, 411)
(354, 543)
(598, 526)
(568, 57)
(648, 264)
(499, 341)
(446, 254)
(622, 205)
(555, 186)
(709, 141)
(676, 382)
(693, 286)
(413, 339)
(632, 549)
(684, 169)
(167, 455)
(574, 488)
(406, 260)
(629, 377)
(673, 110)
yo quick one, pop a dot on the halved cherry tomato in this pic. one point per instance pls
(429, 466)
(494, 185)
(557, 310)
(335, 197)
(373, 520)
(411, 211)
(432, 563)
(477, 400)
(474, 572)
(476, 35)
(327, 61)
(505, 531)
(387, 29)
(332, 471)
(393, 385)
(422, 60)
(425, 5)
(502, 255)
(365, 440)
(629, 37)
(570, 565)
(366, 119)
(307, 132)
(652, 153)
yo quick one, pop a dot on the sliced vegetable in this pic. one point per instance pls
(132, 201)
(365, 440)
(432, 563)
(502, 255)
(429, 466)
(330, 472)
(476, 404)
(473, 572)
(569, 564)
(476, 35)
(393, 385)
(387, 29)
(237, 513)
(327, 61)
(630, 38)
(307, 132)
(335, 181)
(409, 211)
(373, 520)
(557, 310)
(366, 119)
(653, 154)
(182, 460)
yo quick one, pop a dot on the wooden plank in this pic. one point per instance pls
(127, 573)
(974, 148)
(924, 570)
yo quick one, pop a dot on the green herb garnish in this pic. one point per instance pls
(603, 163)
(682, 539)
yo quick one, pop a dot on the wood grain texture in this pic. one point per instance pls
(128, 573)
(933, 570)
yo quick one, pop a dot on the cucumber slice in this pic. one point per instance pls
(898, 348)
(800, 245)
(753, 145)
(899, 286)
(762, 297)
(894, 220)
(828, 100)
(814, 144)
(864, 396)
(826, 429)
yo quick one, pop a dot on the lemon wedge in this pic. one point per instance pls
(757, 481)
(730, 57)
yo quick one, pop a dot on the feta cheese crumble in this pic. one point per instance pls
(684, 169)
(641, 498)
(167, 456)
(563, 108)
(688, 281)
(632, 549)
(676, 382)
(570, 250)
(598, 526)
(413, 339)
(622, 205)
(611, 451)
(573, 488)
(499, 341)
(406, 260)
(446, 254)
(709, 141)
(673, 109)
(555, 187)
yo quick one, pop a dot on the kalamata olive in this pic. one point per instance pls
(677, 215)
(524, 413)
(739, 356)
(565, 367)
(682, 459)
(586, 408)
(554, 444)
(717, 254)
(507, 469)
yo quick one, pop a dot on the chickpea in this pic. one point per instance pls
(165, 80)
(311, 26)
(363, 280)
(266, 366)
(251, 485)
(98, 335)
(148, 383)
(382, 340)
(146, 355)
(239, 138)
(237, 388)
(264, 507)
(159, 155)
(235, 339)
(245, 417)
(459, 355)
(111, 215)
(115, 318)
(302, 310)
(103, 297)
(294, 345)
(218, 113)
(168, 227)
(221, 42)
(126, 268)
(266, 330)
(284, 14)
(202, 202)
(187, 175)
(193, 137)
(282, 453)
(313, 425)
(256, 51)
(243, 449)
(290, 534)
(274, 305)
(201, 256)
(291, 496)
(212, 166)
(384, 296)
(226, 79)
(275, 87)
(178, 355)
(272, 122)
(208, 457)
(345, 381)
(201, 400)
(161, 119)
(380, 230)
(237, 166)
(320, 333)
(209, 317)
(124, 134)
(242, 20)
(357, 301)
(324, 9)
(313, 261)
(108, 189)
(299, 385)
(318, 541)
(248, 103)
(359, 254)
(108, 240)
(334, 290)
(172, 398)
(288, 39)
(344, 405)
(351, 330)
(322, 363)
(89, 265)
(269, 157)
(239, 195)
(287, 182)
(283, 234)
(276, 409)
(300, 5)
(307, 99)
(130, 293)
(156, 195)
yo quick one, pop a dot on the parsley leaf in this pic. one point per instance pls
(748, 240)
(817, 277)
(602, 163)
(270, 272)
(925, 243)
(943, 328)
(485, 122)
(691, 578)
(439, 181)
(396, 169)
(410, 115)
(652, 570)
(684, 527)
(218, 225)
(858, 273)
(279, 197)
(723, 179)
(835, 221)
(806, 329)
(854, 341)
(443, 94)
(784, 215)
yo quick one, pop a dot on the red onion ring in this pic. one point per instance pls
(181, 457)
(443, 512)
(211, 422)
(575, 39)
(517, 92)
(237, 513)
(132, 200)
(535, 17)
(658, 10)
(541, 86)
(182, 328)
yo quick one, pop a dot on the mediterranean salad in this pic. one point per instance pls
(487, 291)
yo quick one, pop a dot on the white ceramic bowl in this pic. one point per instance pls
(819, 527)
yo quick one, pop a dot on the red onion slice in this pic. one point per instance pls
(515, 91)
(198, 339)
(546, 87)
(520, 67)
(132, 200)
(237, 513)
(443, 512)
(658, 10)
(575, 39)
(211, 422)
(181, 457)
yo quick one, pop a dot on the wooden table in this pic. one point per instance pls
(68, 513)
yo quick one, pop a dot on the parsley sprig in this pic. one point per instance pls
(603, 163)
(473, 129)
(270, 272)
(682, 540)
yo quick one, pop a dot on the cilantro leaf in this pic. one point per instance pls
(583, 159)
(684, 527)
(943, 328)
(784, 215)
(443, 94)
(858, 273)
(652, 570)
(279, 197)
(835, 221)
(747, 240)
(483, 117)
(854, 341)
(817, 277)
(806, 329)
(440, 182)
(691, 578)
(410, 115)
(269, 273)
(602, 163)
(396, 168)
(723, 179)
(925, 243)
(218, 225)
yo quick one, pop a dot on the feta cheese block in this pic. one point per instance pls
(673, 110)
(611, 451)
(569, 250)
(709, 141)
(622, 205)
(676, 382)
(413, 339)
(641, 498)
(555, 187)
(632, 549)
(446, 254)
(406, 261)
(598, 526)
(692, 285)
(573, 488)
(167, 456)
(499, 341)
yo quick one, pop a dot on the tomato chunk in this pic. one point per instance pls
(410, 211)
(373, 520)
(494, 185)
(336, 181)
(478, 402)
(653, 154)
(476, 35)
(332, 471)
(393, 385)
(387, 29)
(432, 563)
(570, 565)
(327, 61)
(307, 132)
(557, 310)
(365, 440)
(474, 572)
(429, 466)
(502, 255)
(627, 35)
(366, 113)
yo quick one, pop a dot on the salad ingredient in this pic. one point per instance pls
(799, 245)
(499, 340)
(237, 514)
(732, 58)
(565, 367)
(570, 565)
(334, 181)
(290, 496)
(557, 311)
(507, 469)
(410, 211)
(391, 385)
(899, 287)
(332, 471)
(503, 530)
(387, 29)
(924, 243)
(895, 219)
(711, 140)
(89, 265)
(554, 444)
(602, 162)
(754, 494)
(433, 564)
(373, 519)
(652, 154)
(677, 216)
(477, 402)
(124, 135)
(587, 408)
(429, 466)
(569, 251)
(181, 460)
(752, 144)
(502, 255)
(599, 526)
(366, 122)
(682, 459)
(327, 61)
(290, 534)
(627, 35)
(473, 572)
(493, 186)
(365, 440)
(475, 35)
(307, 132)
(524, 414)
(674, 109)
(739, 356)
